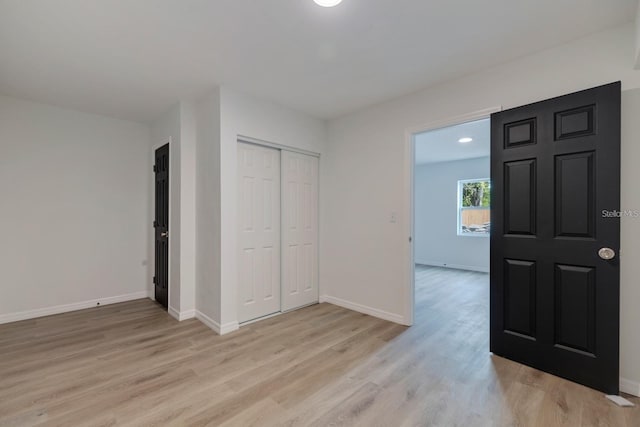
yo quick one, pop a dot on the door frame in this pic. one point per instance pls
(268, 144)
(408, 225)
(152, 293)
(280, 147)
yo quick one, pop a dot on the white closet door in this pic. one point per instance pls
(259, 231)
(299, 230)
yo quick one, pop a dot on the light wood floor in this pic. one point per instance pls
(132, 364)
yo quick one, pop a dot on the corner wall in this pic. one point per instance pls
(188, 166)
(75, 206)
(242, 115)
(207, 288)
(222, 117)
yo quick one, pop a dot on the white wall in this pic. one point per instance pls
(436, 205)
(74, 209)
(630, 238)
(208, 209)
(638, 37)
(364, 258)
(188, 160)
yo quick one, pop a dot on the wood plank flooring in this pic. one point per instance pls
(131, 364)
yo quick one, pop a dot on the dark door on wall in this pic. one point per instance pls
(555, 169)
(161, 225)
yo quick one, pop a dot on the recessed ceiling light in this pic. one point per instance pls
(465, 140)
(328, 3)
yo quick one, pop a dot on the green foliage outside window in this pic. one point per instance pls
(476, 194)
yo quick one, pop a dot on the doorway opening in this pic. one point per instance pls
(452, 223)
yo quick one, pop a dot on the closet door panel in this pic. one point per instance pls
(258, 231)
(299, 230)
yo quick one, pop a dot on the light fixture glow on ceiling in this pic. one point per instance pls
(328, 3)
(465, 140)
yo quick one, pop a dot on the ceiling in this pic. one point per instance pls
(441, 145)
(134, 58)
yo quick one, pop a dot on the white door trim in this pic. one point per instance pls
(280, 147)
(408, 199)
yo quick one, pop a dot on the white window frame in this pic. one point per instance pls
(459, 206)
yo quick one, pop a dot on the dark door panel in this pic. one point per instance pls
(555, 167)
(161, 225)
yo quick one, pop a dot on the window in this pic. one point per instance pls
(474, 210)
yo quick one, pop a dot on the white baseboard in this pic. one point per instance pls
(630, 387)
(454, 266)
(187, 314)
(181, 315)
(208, 321)
(219, 329)
(174, 313)
(392, 317)
(49, 311)
(229, 327)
